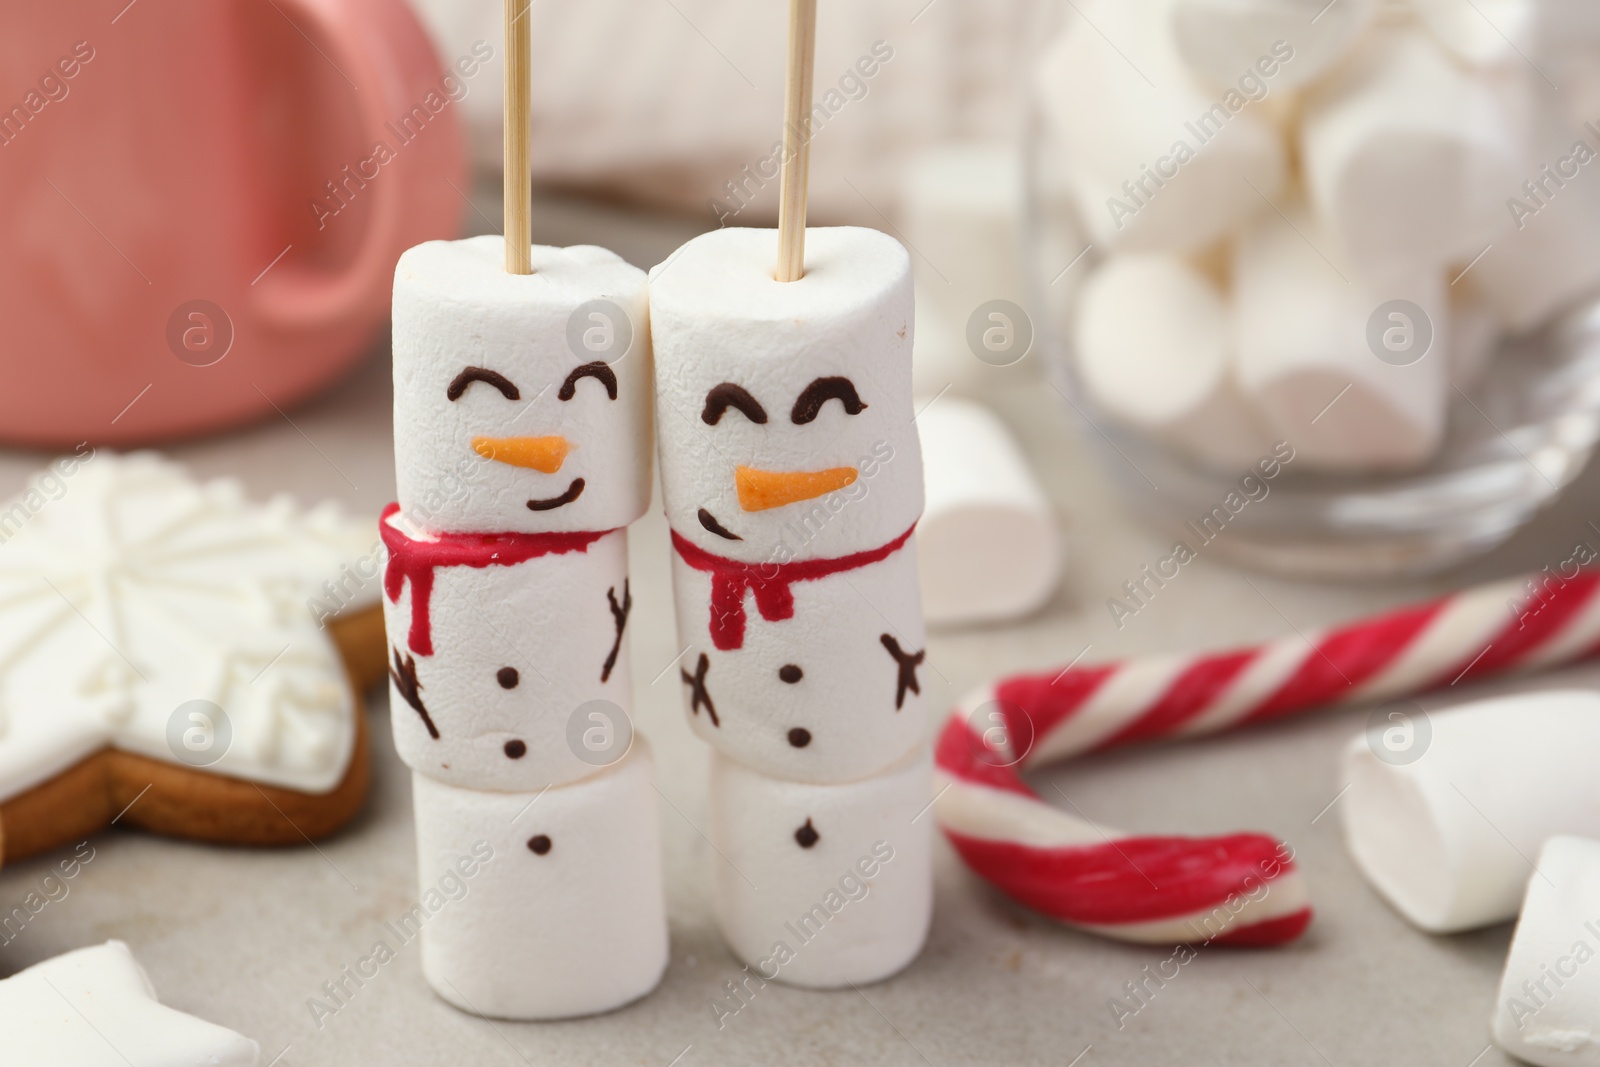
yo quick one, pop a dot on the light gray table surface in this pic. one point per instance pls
(245, 938)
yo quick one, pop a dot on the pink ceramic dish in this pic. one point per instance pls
(202, 202)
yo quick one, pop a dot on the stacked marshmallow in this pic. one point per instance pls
(1319, 219)
(522, 442)
(792, 478)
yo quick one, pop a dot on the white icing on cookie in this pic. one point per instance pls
(133, 589)
(96, 1008)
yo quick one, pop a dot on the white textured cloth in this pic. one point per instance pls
(666, 100)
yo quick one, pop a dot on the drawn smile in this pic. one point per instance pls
(574, 491)
(709, 521)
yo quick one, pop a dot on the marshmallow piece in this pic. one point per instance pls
(1407, 158)
(831, 694)
(1160, 162)
(1549, 1006)
(1154, 343)
(495, 681)
(1544, 260)
(763, 375)
(563, 912)
(823, 886)
(1483, 33)
(987, 547)
(1444, 838)
(1291, 42)
(1306, 360)
(964, 207)
(95, 1007)
(487, 364)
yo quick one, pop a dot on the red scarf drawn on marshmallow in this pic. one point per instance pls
(415, 561)
(770, 582)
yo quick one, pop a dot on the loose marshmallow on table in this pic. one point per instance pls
(522, 402)
(1302, 319)
(963, 207)
(1224, 40)
(1160, 162)
(545, 904)
(1549, 1007)
(823, 885)
(988, 547)
(1446, 838)
(1408, 159)
(493, 662)
(792, 479)
(1154, 345)
(95, 1007)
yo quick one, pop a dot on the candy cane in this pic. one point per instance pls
(1243, 888)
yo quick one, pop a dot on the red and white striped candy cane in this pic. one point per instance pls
(1242, 888)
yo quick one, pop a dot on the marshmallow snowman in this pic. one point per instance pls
(792, 477)
(522, 448)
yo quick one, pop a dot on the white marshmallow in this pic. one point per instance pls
(1160, 162)
(575, 929)
(517, 653)
(719, 317)
(1154, 345)
(1224, 40)
(1445, 839)
(964, 208)
(823, 885)
(1483, 32)
(850, 711)
(1407, 158)
(1543, 258)
(1305, 359)
(455, 307)
(988, 547)
(1549, 1006)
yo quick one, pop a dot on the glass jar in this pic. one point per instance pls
(1320, 281)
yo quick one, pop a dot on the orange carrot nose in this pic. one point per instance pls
(760, 490)
(537, 453)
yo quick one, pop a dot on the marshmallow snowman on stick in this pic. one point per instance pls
(792, 479)
(522, 446)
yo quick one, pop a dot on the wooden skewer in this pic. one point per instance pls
(518, 146)
(797, 140)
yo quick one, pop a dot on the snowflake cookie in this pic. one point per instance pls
(163, 635)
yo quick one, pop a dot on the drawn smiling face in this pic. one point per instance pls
(785, 408)
(521, 403)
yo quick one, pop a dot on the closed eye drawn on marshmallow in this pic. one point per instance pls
(487, 377)
(819, 392)
(597, 370)
(727, 395)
